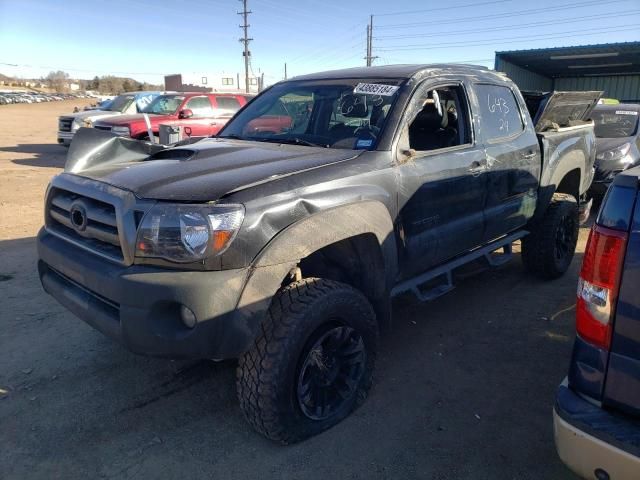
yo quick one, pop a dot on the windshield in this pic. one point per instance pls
(164, 105)
(348, 114)
(616, 123)
(105, 104)
(120, 103)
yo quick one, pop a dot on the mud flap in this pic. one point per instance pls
(585, 211)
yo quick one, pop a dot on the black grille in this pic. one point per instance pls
(64, 124)
(102, 127)
(98, 232)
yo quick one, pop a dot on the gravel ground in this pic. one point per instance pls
(464, 385)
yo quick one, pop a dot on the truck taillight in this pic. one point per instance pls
(598, 285)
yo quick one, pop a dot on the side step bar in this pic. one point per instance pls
(446, 270)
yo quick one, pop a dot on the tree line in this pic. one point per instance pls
(108, 84)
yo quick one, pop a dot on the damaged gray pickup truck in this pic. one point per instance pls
(283, 245)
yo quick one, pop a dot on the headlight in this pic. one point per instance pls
(121, 131)
(616, 153)
(76, 124)
(188, 233)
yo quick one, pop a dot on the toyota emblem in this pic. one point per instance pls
(78, 216)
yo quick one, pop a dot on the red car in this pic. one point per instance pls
(201, 115)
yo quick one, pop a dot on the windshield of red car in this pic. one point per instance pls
(164, 105)
(615, 123)
(342, 113)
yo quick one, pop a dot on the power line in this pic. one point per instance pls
(512, 27)
(475, 18)
(429, 10)
(620, 28)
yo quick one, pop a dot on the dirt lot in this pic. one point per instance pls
(464, 384)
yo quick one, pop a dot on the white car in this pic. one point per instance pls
(125, 104)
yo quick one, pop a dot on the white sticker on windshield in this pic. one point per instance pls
(626, 112)
(375, 89)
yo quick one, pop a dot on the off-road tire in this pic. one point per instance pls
(541, 253)
(267, 374)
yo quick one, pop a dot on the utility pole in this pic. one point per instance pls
(370, 58)
(285, 70)
(245, 40)
(368, 54)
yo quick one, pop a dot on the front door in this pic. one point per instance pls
(442, 183)
(199, 124)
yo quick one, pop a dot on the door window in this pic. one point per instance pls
(230, 104)
(200, 106)
(499, 111)
(442, 121)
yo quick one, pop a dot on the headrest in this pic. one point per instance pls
(429, 117)
(353, 106)
(452, 118)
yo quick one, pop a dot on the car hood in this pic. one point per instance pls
(125, 120)
(202, 171)
(93, 114)
(606, 144)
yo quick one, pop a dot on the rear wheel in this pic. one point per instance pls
(548, 250)
(312, 365)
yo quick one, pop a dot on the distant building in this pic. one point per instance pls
(210, 82)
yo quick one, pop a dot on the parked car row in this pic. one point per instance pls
(139, 115)
(125, 104)
(7, 98)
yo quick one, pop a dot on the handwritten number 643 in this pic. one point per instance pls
(498, 104)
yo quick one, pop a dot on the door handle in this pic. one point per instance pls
(529, 155)
(476, 166)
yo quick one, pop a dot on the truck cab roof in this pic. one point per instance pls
(405, 71)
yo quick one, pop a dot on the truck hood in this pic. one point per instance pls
(205, 170)
(606, 144)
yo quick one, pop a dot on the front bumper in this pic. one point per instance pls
(64, 138)
(140, 306)
(589, 438)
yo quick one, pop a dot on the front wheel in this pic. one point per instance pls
(548, 250)
(312, 365)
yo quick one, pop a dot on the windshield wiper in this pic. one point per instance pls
(291, 141)
(233, 136)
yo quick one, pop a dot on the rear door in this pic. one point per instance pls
(513, 159)
(225, 107)
(622, 384)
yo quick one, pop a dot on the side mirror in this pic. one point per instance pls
(186, 113)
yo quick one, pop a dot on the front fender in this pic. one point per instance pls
(306, 236)
(324, 228)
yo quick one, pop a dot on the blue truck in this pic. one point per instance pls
(597, 407)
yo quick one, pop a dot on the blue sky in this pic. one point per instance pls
(146, 39)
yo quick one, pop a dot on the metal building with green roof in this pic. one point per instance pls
(612, 67)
